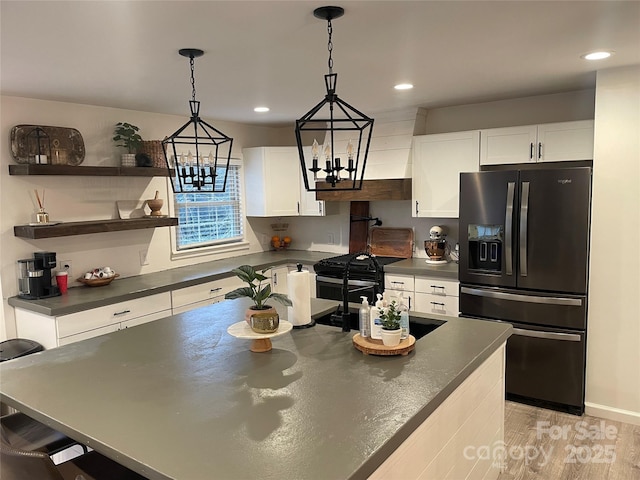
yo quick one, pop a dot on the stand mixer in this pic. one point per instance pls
(436, 247)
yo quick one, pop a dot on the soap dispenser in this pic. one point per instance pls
(376, 322)
(404, 316)
(363, 316)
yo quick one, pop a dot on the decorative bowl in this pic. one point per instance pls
(97, 282)
(265, 322)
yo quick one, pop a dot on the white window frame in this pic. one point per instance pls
(210, 248)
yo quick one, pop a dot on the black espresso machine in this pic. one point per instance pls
(34, 276)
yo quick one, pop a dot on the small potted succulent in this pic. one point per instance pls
(126, 135)
(256, 291)
(391, 330)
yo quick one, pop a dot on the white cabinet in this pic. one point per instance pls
(437, 163)
(394, 284)
(274, 185)
(55, 331)
(188, 298)
(436, 295)
(550, 142)
(272, 181)
(279, 282)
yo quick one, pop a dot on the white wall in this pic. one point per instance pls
(613, 348)
(558, 107)
(93, 198)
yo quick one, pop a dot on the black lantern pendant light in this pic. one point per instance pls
(346, 132)
(197, 154)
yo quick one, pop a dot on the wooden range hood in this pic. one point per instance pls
(372, 190)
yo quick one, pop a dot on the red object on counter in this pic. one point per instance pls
(62, 279)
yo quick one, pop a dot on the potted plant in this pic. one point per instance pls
(126, 135)
(391, 330)
(256, 291)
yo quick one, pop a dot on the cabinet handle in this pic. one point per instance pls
(437, 286)
(298, 206)
(398, 283)
(320, 207)
(416, 207)
(124, 312)
(214, 290)
(437, 303)
(531, 151)
(275, 278)
(409, 302)
(539, 150)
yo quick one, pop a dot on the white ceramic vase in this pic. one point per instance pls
(391, 338)
(128, 160)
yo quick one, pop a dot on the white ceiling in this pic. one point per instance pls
(124, 54)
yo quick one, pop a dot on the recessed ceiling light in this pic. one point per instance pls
(261, 109)
(403, 86)
(597, 55)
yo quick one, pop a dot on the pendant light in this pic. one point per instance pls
(197, 154)
(345, 132)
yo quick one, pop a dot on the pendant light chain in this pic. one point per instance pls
(193, 81)
(330, 46)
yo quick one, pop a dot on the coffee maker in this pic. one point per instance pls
(34, 276)
(436, 247)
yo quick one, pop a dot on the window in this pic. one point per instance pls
(211, 218)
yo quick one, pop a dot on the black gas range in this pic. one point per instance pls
(363, 278)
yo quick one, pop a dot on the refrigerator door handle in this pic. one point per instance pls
(508, 228)
(566, 337)
(524, 221)
(571, 302)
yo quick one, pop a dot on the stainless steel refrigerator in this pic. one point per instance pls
(524, 251)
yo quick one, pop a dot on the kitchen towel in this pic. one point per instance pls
(300, 295)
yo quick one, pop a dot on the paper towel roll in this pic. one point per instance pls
(300, 295)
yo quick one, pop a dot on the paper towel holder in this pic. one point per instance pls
(312, 323)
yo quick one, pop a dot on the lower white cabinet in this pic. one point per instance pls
(436, 295)
(188, 298)
(279, 278)
(55, 331)
(395, 284)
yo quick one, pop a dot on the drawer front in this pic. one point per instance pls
(88, 334)
(442, 305)
(437, 286)
(398, 282)
(145, 319)
(112, 314)
(191, 306)
(204, 291)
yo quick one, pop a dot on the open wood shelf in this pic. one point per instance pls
(389, 189)
(94, 226)
(33, 169)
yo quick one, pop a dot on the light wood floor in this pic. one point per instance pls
(572, 453)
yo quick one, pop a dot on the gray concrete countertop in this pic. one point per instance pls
(84, 298)
(122, 289)
(188, 401)
(419, 266)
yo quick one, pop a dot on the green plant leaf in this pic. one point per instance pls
(239, 292)
(246, 273)
(282, 298)
(263, 294)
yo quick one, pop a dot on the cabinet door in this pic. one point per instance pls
(437, 286)
(272, 181)
(279, 279)
(565, 141)
(508, 145)
(437, 163)
(398, 282)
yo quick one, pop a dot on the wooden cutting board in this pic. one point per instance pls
(392, 242)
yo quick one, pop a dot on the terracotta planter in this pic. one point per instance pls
(391, 338)
(251, 310)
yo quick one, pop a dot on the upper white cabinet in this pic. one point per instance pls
(274, 185)
(272, 181)
(550, 142)
(437, 163)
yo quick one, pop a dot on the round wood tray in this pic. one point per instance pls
(369, 346)
(97, 282)
(261, 341)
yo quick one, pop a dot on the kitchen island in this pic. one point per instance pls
(180, 398)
